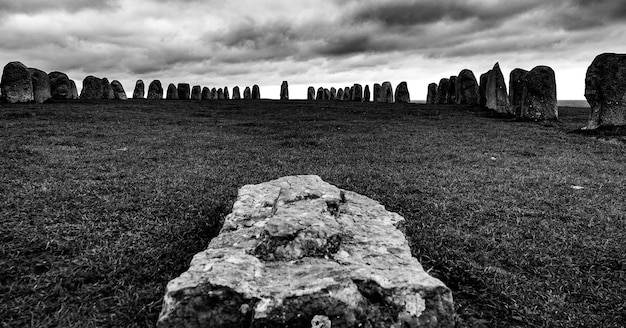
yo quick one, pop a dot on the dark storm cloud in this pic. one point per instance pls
(37, 6)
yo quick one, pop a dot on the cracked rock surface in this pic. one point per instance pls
(298, 249)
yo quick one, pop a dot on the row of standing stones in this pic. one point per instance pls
(383, 93)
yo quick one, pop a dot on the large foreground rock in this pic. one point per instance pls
(402, 93)
(495, 92)
(16, 84)
(139, 91)
(431, 97)
(298, 251)
(284, 91)
(155, 90)
(539, 101)
(386, 92)
(467, 88)
(41, 85)
(605, 90)
(60, 86)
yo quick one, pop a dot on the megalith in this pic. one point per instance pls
(357, 94)
(482, 89)
(220, 94)
(402, 93)
(467, 88)
(326, 94)
(256, 92)
(516, 90)
(214, 93)
(140, 90)
(377, 93)
(247, 94)
(320, 94)
(366, 94)
(539, 101)
(339, 94)
(16, 84)
(73, 90)
(236, 93)
(107, 90)
(184, 91)
(432, 94)
(172, 93)
(333, 93)
(196, 92)
(155, 90)
(310, 93)
(605, 90)
(93, 88)
(206, 93)
(386, 92)
(297, 252)
(118, 90)
(226, 93)
(442, 91)
(41, 85)
(284, 91)
(451, 95)
(347, 94)
(496, 94)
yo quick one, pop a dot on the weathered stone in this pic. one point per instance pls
(16, 83)
(347, 93)
(93, 88)
(60, 85)
(467, 88)
(214, 94)
(172, 93)
(118, 90)
(386, 93)
(298, 251)
(357, 93)
(155, 90)
(220, 94)
(206, 93)
(236, 93)
(539, 101)
(431, 97)
(226, 93)
(402, 93)
(451, 95)
(340, 95)
(107, 90)
(196, 92)
(442, 91)
(247, 94)
(41, 85)
(256, 92)
(377, 93)
(310, 93)
(605, 90)
(284, 91)
(516, 90)
(333, 93)
(366, 94)
(73, 90)
(140, 90)
(320, 94)
(184, 91)
(495, 92)
(326, 94)
(482, 89)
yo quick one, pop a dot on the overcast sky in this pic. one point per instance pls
(331, 43)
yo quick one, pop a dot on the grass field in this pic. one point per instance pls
(102, 203)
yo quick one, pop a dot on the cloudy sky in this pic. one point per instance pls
(309, 42)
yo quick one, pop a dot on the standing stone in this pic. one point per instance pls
(320, 94)
(247, 93)
(226, 93)
(172, 93)
(386, 92)
(605, 90)
(60, 85)
(184, 91)
(539, 101)
(236, 93)
(357, 94)
(139, 91)
(431, 97)
(256, 92)
(402, 93)
(366, 94)
(93, 88)
(284, 91)
(74, 90)
(451, 95)
(206, 93)
(310, 93)
(442, 91)
(340, 94)
(41, 85)
(516, 90)
(196, 92)
(326, 94)
(377, 93)
(333, 93)
(118, 90)
(298, 251)
(496, 94)
(16, 83)
(482, 89)
(220, 94)
(107, 90)
(349, 94)
(214, 94)
(467, 88)
(155, 90)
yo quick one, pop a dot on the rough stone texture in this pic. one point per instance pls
(605, 90)
(220, 94)
(366, 94)
(539, 101)
(93, 88)
(140, 90)
(206, 94)
(284, 91)
(107, 90)
(60, 85)
(236, 93)
(402, 93)
(184, 91)
(339, 94)
(320, 94)
(516, 90)
(333, 93)
(386, 92)
(298, 251)
(196, 92)
(226, 93)
(73, 90)
(214, 94)
(442, 91)
(467, 88)
(482, 89)
(326, 94)
(495, 92)
(310, 93)
(256, 92)
(118, 90)
(451, 96)
(377, 93)
(172, 93)
(347, 93)
(41, 85)
(155, 90)
(16, 84)
(432, 94)
(357, 95)
(247, 94)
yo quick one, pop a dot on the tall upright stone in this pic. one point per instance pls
(284, 91)
(451, 95)
(184, 91)
(357, 94)
(247, 94)
(226, 93)
(60, 85)
(172, 92)
(256, 92)
(118, 90)
(496, 94)
(516, 90)
(206, 93)
(366, 94)
(378, 93)
(320, 94)
(467, 88)
(539, 102)
(41, 85)
(347, 93)
(310, 93)
(333, 93)
(339, 94)
(605, 90)
(220, 94)
(402, 93)
(214, 93)
(431, 97)
(482, 89)
(73, 90)
(442, 91)
(326, 94)
(16, 84)
(236, 93)
(93, 88)
(140, 90)
(155, 90)
(107, 90)
(386, 92)
(196, 92)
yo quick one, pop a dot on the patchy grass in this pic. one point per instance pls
(102, 203)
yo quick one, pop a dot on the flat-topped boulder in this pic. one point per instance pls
(432, 94)
(140, 90)
(41, 85)
(60, 85)
(496, 93)
(284, 91)
(155, 90)
(172, 93)
(184, 91)
(256, 92)
(236, 93)
(298, 251)
(442, 91)
(605, 90)
(467, 89)
(196, 92)
(386, 92)
(118, 90)
(16, 84)
(539, 101)
(402, 93)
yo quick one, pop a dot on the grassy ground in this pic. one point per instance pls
(102, 203)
